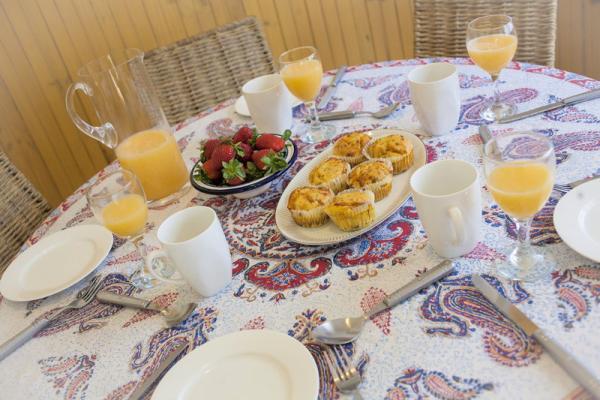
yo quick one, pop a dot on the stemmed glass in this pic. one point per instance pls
(119, 203)
(492, 43)
(301, 71)
(519, 168)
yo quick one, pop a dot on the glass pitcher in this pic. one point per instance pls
(132, 122)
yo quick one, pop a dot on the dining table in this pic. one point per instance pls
(445, 342)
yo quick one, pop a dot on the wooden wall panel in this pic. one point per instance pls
(44, 42)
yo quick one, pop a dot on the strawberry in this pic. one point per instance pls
(243, 135)
(273, 142)
(209, 147)
(269, 161)
(212, 169)
(223, 153)
(247, 151)
(233, 172)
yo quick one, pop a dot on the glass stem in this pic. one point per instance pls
(313, 117)
(524, 245)
(140, 277)
(496, 89)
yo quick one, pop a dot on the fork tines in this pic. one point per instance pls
(91, 289)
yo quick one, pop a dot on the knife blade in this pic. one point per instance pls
(575, 369)
(332, 87)
(164, 364)
(569, 101)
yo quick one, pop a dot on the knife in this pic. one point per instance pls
(142, 387)
(331, 88)
(577, 371)
(569, 101)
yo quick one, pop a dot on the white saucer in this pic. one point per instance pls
(241, 107)
(56, 262)
(577, 217)
(249, 365)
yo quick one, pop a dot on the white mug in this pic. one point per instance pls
(448, 199)
(434, 91)
(196, 245)
(269, 103)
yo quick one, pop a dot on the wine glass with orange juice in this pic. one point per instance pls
(492, 44)
(119, 203)
(519, 168)
(301, 71)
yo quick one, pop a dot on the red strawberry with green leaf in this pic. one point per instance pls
(273, 142)
(209, 147)
(246, 151)
(212, 169)
(243, 135)
(269, 161)
(233, 172)
(223, 153)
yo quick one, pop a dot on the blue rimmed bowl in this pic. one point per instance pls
(249, 189)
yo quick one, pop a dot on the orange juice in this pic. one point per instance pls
(126, 216)
(303, 78)
(154, 157)
(492, 52)
(521, 188)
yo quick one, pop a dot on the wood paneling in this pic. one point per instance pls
(43, 43)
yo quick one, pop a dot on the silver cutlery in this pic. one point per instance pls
(143, 387)
(577, 371)
(569, 101)
(173, 315)
(334, 115)
(345, 330)
(331, 88)
(83, 298)
(345, 375)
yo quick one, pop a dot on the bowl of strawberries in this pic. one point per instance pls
(243, 165)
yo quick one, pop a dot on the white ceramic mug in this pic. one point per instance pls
(448, 199)
(269, 102)
(435, 95)
(196, 245)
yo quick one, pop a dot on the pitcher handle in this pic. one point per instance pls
(105, 133)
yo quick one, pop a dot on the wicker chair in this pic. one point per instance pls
(441, 25)
(195, 73)
(22, 209)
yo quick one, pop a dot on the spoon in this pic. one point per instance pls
(384, 112)
(345, 330)
(173, 315)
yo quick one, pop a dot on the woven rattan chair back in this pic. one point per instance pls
(195, 73)
(441, 26)
(22, 209)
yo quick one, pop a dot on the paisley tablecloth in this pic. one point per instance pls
(444, 343)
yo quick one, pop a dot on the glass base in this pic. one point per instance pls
(308, 134)
(535, 265)
(142, 280)
(170, 199)
(497, 111)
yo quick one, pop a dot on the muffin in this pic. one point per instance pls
(350, 147)
(352, 209)
(307, 205)
(395, 148)
(332, 173)
(375, 175)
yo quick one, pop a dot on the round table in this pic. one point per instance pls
(445, 342)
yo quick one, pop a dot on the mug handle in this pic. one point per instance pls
(155, 255)
(457, 225)
(105, 133)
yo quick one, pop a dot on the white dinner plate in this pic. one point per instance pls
(249, 365)
(329, 233)
(241, 107)
(56, 262)
(577, 219)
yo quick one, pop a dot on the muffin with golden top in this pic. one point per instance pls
(352, 209)
(375, 175)
(307, 205)
(350, 147)
(332, 173)
(395, 148)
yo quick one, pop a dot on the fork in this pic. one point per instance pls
(84, 297)
(345, 375)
